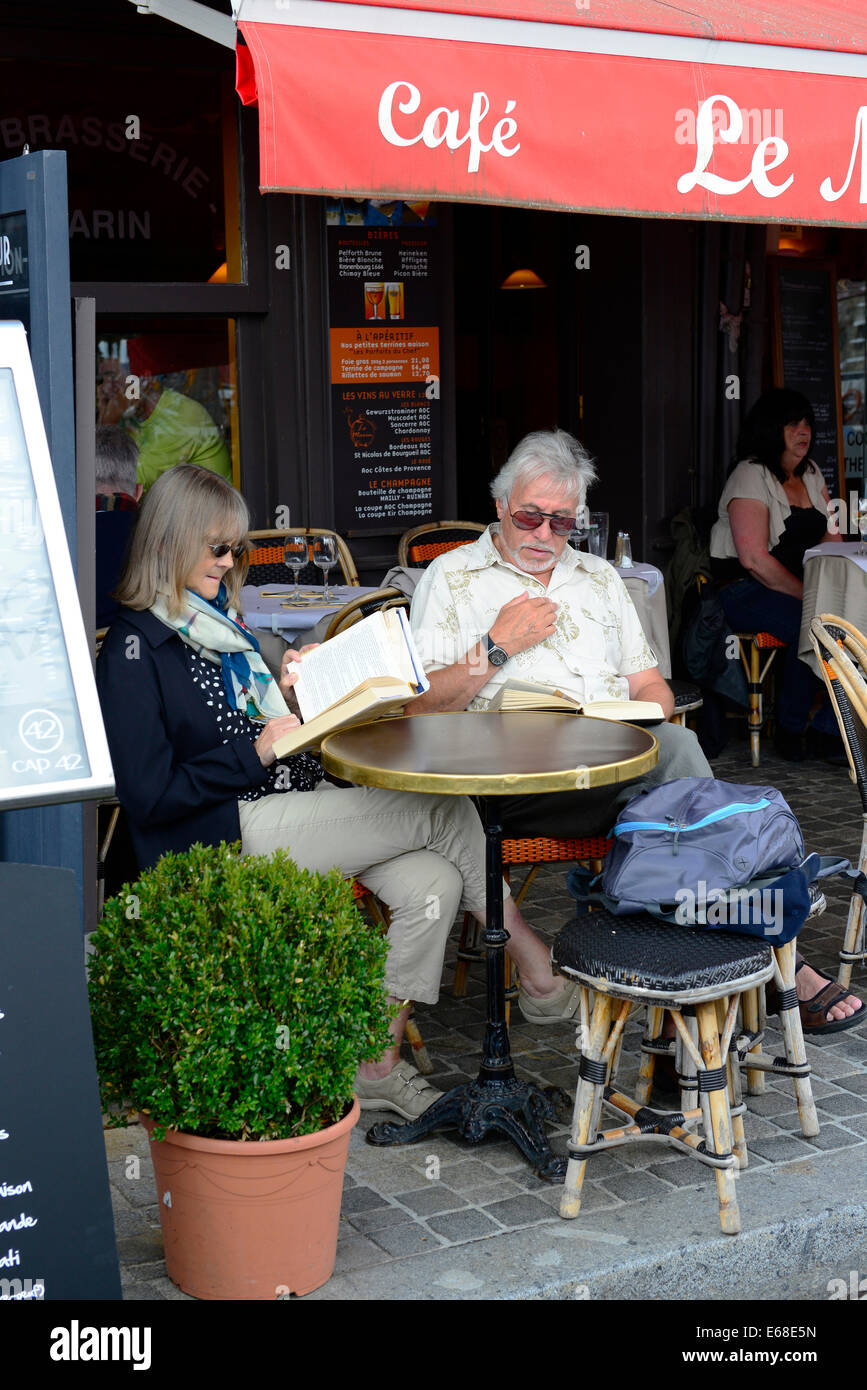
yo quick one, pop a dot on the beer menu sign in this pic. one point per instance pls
(384, 290)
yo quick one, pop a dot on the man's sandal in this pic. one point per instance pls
(814, 1012)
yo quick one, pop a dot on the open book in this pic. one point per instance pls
(515, 694)
(371, 669)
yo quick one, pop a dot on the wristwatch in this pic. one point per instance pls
(496, 655)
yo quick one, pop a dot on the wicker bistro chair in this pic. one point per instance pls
(362, 607)
(757, 651)
(687, 699)
(421, 544)
(842, 653)
(266, 558)
(634, 960)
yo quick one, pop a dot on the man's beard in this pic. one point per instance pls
(527, 562)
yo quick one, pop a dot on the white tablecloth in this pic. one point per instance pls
(269, 615)
(646, 587)
(835, 581)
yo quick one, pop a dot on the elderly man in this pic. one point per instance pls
(519, 602)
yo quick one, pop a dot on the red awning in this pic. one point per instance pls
(746, 111)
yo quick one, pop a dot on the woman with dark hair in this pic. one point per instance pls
(192, 715)
(774, 506)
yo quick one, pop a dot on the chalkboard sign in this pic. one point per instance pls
(52, 741)
(807, 353)
(56, 1229)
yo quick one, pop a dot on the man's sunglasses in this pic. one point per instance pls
(223, 547)
(531, 521)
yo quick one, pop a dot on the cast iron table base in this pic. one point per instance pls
(496, 1100)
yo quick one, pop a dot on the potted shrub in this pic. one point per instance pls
(232, 1000)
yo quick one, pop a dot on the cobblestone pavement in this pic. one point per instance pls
(441, 1193)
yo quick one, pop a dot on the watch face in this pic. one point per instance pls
(497, 656)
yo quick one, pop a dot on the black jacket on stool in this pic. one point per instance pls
(176, 779)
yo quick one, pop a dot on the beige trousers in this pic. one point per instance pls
(424, 856)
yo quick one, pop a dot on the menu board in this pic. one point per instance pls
(807, 354)
(52, 742)
(385, 294)
(56, 1228)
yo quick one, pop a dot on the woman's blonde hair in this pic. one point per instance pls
(184, 509)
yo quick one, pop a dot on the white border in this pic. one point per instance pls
(15, 354)
(563, 38)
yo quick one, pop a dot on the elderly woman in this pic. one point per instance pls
(774, 506)
(192, 715)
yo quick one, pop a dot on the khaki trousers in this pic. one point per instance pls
(424, 856)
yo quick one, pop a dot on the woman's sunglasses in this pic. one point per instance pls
(223, 547)
(531, 521)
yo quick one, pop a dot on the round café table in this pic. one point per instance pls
(490, 755)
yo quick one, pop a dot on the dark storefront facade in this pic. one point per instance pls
(648, 339)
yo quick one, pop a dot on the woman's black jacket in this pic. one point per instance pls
(176, 780)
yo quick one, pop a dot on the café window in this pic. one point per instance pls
(172, 387)
(152, 165)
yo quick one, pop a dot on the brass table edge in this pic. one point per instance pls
(497, 784)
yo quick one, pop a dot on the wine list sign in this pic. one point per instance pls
(384, 293)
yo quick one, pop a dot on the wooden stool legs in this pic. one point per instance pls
(703, 1042)
(794, 1064)
(793, 1038)
(713, 1097)
(588, 1096)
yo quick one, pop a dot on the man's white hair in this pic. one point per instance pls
(550, 454)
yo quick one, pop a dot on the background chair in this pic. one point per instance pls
(687, 699)
(754, 648)
(842, 653)
(362, 607)
(266, 558)
(421, 544)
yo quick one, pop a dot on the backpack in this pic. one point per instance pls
(711, 853)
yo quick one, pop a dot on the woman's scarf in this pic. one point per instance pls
(216, 632)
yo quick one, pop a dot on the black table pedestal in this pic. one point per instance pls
(496, 1100)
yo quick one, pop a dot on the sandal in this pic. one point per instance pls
(814, 1012)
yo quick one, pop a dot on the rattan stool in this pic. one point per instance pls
(747, 1043)
(634, 960)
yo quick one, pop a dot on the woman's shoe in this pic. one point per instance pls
(403, 1090)
(814, 1012)
(790, 745)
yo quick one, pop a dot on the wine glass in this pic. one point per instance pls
(324, 557)
(295, 553)
(862, 524)
(374, 290)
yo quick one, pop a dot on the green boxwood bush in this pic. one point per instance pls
(234, 998)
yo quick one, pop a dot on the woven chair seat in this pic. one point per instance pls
(686, 695)
(638, 955)
(762, 639)
(544, 849)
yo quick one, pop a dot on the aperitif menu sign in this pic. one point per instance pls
(384, 287)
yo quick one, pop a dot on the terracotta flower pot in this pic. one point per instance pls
(251, 1220)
